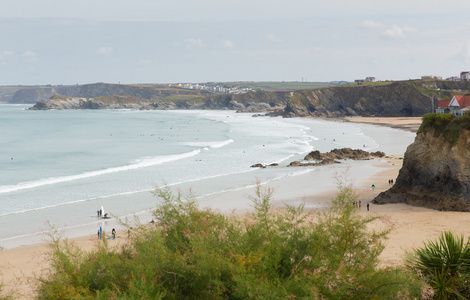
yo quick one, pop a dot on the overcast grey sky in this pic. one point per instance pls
(155, 41)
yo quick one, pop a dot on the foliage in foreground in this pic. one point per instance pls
(445, 264)
(192, 253)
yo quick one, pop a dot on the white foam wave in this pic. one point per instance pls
(142, 163)
(204, 145)
(262, 183)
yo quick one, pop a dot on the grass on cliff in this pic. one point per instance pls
(447, 124)
(193, 253)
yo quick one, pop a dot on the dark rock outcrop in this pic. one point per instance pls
(258, 165)
(435, 172)
(334, 155)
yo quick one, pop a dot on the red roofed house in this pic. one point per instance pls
(457, 106)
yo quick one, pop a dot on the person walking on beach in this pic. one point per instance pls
(359, 203)
(373, 187)
(113, 232)
(99, 235)
(367, 206)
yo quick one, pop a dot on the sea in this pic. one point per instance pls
(59, 167)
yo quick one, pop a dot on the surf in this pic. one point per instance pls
(142, 163)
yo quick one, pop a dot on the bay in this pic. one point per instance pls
(60, 166)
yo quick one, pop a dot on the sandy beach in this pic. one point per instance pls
(405, 123)
(411, 225)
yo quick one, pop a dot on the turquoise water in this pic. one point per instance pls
(61, 166)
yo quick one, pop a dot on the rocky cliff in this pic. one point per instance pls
(31, 95)
(436, 167)
(402, 98)
(220, 102)
(397, 99)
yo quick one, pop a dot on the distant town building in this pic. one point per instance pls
(359, 81)
(370, 79)
(457, 106)
(465, 76)
(215, 88)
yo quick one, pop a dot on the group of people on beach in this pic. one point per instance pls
(359, 204)
(99, 213)
(390, 182)
(100, 233)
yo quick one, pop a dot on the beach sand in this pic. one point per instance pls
(411, 226)
(405, 123)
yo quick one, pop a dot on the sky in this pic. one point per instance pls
(155, 41)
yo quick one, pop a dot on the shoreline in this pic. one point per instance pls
(20, 265)
(405, 123)
(412, 225)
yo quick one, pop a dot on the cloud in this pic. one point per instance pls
(227, 44)
(104, 50)
(392, 32)
(194, 43)
(398, 32)
(6, 54)
(273, 38)
(30, 55)
(372, 25)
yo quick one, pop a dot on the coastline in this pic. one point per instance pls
(411, 225)
(405, 123)
(19, 266)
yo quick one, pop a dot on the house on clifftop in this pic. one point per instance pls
(457, 106)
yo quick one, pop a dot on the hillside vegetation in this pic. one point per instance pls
(190, 253)
(446, 124)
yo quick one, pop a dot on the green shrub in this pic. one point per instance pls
(437, 121)
(445, 264)
(193, 253)
(446, 124)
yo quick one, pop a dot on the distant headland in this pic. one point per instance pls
(410, 98)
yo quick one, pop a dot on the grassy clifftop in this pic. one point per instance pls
(446, 124)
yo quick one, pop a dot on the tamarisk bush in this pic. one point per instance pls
(194, 253)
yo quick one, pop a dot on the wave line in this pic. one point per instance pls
(148, 162)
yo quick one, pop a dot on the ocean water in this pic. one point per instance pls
(59, 167)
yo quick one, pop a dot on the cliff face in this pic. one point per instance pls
(103, 89)
(220, 102)
(32, 95)
(402, 98)
(398, 99)
(435, 172)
